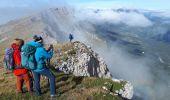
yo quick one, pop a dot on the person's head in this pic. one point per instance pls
(19, 42)
(38, 39)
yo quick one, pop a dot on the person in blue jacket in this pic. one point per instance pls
(41, 56)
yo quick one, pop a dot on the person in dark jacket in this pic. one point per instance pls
(41, 56)
(71, 37)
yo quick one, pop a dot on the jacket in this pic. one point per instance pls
(17, 60)
(41, 56)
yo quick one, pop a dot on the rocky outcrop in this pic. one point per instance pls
(83, 61)
(126, 91)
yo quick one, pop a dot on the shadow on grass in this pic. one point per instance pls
(77, 81)
(62, 84)
(65, 77)
(64, 80)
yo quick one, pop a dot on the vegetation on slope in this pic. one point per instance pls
(68, 86)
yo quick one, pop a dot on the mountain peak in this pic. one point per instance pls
(83, 61)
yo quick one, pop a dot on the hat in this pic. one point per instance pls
(37, 38)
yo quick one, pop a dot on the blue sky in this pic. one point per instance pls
(144, 4)
(13, 9)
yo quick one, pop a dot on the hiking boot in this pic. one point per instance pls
(53, 97)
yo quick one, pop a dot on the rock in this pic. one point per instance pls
(106, 83)
(117, 91)
(116, 80)
(111, 93)
(128, 91)
(85, 63)
(105, 88)
(120, 92)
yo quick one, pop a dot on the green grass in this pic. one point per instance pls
(105, 96)
(69, 86)
(99, 82)
(25, 96)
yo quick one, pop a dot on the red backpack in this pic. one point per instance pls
(18, 69)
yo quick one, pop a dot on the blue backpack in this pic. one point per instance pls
(28, 57)
(8, 59)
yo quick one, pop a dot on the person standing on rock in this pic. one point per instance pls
(41, 56)
(71, 37)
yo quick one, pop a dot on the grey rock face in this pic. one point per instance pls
(85, 62)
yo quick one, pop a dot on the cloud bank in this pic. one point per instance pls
(132, 19)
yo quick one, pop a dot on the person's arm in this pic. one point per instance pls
(45, 54)
(50, 48)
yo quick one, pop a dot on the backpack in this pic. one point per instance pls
(28, 57)
(8, 59)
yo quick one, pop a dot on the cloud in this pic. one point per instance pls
(163, 14)
(132, 19)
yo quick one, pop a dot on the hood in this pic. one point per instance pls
(15, 46)
(36, 44)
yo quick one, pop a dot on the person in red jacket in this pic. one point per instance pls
(21, 73)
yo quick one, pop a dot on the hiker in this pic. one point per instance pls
(21, 73)
(41, 56)
(8, 61)
(71, 37)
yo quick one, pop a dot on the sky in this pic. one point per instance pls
(141, 4)
(145, 4)
(13, 9)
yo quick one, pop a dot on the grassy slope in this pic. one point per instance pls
(70, 87)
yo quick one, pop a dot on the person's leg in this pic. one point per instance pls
(51, 77)
(37, 83)
(27, 81)
(31, 83)
(31, 80)
(19, 84)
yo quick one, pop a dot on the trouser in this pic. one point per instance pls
(31, 81)
(49, 75)
(20, 79)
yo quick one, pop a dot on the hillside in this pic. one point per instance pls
(69, 86)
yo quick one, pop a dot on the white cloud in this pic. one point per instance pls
(131, 19)
(163, 14)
